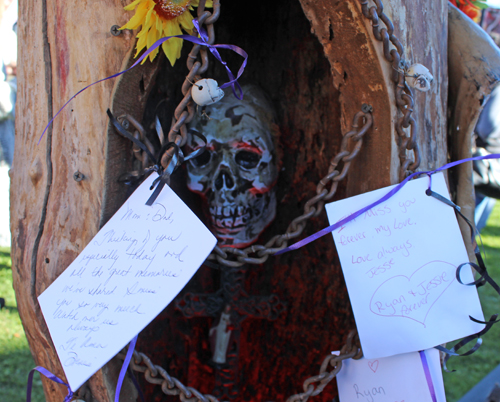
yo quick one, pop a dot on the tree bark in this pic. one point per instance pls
(474, 62)
(63, 47)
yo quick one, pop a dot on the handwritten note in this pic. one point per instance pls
(399, 261)
(396, 379)
(128, 273)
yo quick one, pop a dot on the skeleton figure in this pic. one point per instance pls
(237, 172)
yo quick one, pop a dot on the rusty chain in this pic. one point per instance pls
(312, 386)
(184, 112)
(349, 351)
(258, 254)
(404, 96)
(350, 147)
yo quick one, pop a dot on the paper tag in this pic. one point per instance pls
(399, 261)
(396, 379)
(128, 273)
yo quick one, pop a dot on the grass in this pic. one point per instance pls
(16, 360)
(472, 369)
(15, 357)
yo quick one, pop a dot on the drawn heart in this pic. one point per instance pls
(373, 365)
(415, 296)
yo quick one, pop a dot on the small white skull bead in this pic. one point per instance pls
(237, 172)
(419, 77)
(206, 91)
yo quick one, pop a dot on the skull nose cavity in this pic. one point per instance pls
(224, 180)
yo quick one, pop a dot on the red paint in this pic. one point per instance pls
(61, 47)
(255, 190)
(247, 147)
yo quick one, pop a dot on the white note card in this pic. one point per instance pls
(128, 273)
(398, 378)
(399, 261)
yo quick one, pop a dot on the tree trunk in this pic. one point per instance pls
(65, 46)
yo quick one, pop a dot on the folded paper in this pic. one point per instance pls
(396, 379)
(399, 261)
(128, 273)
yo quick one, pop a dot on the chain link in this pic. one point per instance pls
(184, 112)
(404, 96)
(349, 149)
(313, 386)
(349, 351)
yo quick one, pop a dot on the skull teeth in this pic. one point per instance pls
(228, 211)
(228, 217)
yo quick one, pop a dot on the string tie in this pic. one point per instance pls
(163, 174)
(428, 376)
(51, 377)
(202, 41)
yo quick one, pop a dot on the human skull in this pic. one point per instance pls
(206, 91)
(419, 77)
(237, 172)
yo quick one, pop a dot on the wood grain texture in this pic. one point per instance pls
(474, 71)
(63, 47)
(362, 75)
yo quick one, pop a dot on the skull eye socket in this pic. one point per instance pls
(247, 159)
(202, 160)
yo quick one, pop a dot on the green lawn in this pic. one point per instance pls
(471, 369)
(16, 359)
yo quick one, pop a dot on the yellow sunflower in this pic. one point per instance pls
(161, 18)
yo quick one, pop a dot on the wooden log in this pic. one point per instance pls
(53, 216)
(63, 47)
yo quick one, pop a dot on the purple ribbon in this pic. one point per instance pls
(213, 48)
(392, 192)
(68, 397)
(123, 371)
(428, 377)
(203, 41)
(50, 376)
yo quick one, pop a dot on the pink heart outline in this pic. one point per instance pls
(373, 363)
(409, 280)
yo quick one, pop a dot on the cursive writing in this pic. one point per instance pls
(368, 394)
(73, 359)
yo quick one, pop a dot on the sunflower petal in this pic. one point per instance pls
(152, 37)
(172, 47)
(196, 3)
(153, 54)
(147, 20)
(186, 21)
(132, 5)
(159, 27)
(141, 43)
(136, 21)
(142, 33)
(154, 27)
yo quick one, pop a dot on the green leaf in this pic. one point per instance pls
(480, 5)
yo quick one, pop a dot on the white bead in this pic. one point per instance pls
(419, 77)
(206, 91)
